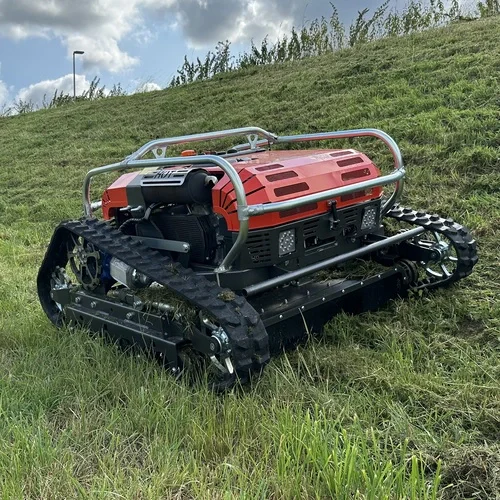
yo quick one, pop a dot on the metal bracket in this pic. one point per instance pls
(205, 344)
(252, 140)
(334, 217)
(159, 152)
(169, 245)
(243, 212)
(61, 295)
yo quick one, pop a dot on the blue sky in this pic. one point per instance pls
(134, 42)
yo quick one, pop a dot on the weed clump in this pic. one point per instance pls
(227, 295)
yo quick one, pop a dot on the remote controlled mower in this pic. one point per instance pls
(212, 258)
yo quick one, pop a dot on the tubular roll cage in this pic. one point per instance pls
(159, 146)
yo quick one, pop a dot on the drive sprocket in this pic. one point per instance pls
(85, 262)
(452, 246)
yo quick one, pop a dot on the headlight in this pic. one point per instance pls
(369, 220)
(286, 242)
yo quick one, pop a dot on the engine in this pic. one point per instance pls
(170, 205)
(195, 208)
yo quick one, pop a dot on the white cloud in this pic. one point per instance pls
(143, 36)
(4, 95)
(94, 26)
(209, 21)
(147, 87)
(99, 26)
(45, 89)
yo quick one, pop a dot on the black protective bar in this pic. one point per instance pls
(339, 259)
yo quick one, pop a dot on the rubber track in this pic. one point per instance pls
(248, 338)
(463, 242)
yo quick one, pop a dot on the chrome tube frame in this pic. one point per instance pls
(158, 148)
(397, 176)
(209, 136)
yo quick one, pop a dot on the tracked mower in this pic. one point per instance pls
(215, 259)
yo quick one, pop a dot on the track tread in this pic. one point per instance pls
(248, 338)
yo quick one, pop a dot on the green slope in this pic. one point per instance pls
(389, 404)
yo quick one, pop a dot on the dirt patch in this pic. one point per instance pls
(470, 328)
(471, 473)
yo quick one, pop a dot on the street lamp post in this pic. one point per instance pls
(74, 77)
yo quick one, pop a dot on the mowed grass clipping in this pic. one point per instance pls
(400, 403)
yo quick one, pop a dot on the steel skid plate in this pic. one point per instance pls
(292, 312)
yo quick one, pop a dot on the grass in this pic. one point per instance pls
(401, 403)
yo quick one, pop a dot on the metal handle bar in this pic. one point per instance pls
(280, 206)
(183, 139)
(396, 177)
(399, 171)
(244, 211)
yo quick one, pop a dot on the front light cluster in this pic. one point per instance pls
(286, 242)
(369, 220)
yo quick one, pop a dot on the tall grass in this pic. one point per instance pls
(313, 39)
(60, 98)
(329, 34)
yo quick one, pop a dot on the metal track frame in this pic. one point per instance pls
(158, 148)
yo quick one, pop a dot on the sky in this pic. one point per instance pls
(137, 43)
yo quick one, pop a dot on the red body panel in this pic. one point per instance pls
(272, 176)
(116, 195)
(282, 175)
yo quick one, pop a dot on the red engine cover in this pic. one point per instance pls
(283, 175)
(271, 176)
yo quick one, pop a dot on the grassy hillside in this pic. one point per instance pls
(401, 403)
